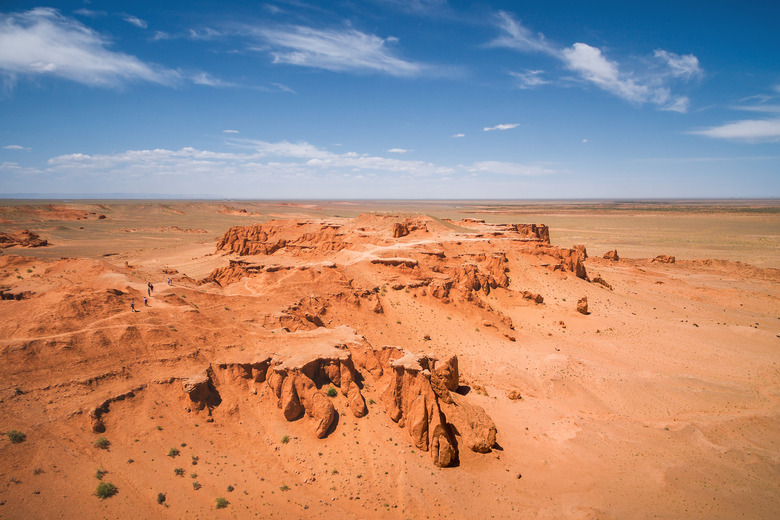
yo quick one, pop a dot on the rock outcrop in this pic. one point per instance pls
(612, 255)
(664, 259)
(22, 238)
(417, 396)
(266, 239)
(401, 229)
(582, 305)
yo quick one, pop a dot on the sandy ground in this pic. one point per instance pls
(662, 402)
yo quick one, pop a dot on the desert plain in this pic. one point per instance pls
(390, 359)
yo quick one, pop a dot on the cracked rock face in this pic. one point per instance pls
(415, 392)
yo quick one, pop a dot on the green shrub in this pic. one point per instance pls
(332, 391)
(173, 452)
(100, 473)
(160, 498)
(222, 503)
(16, 436)
(102, 443)
(285, 487)
(196, 485)
(285, 439)
(105, 490)
(179, 472)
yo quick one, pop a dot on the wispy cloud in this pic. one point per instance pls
(15, 147)
(503, 126)
(44, 42)
(529, 79)
(507, 168)
(336, 50)
(417, 6)
(518, 37)
(134, 20)
(280, 168)
(260, 158)
(230, 131)
(749, 130)
(204, 78)
(399, 150)
(458, 135)
(766, 130)
(593, 67)
(207, 33)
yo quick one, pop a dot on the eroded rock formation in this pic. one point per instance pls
(22, 238)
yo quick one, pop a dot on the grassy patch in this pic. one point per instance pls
(173, 452)
(332, 391)
(102, 443)
(285, 439)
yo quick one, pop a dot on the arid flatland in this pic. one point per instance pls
(463, 359)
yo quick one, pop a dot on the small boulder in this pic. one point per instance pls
(582, 305)
(612, 255)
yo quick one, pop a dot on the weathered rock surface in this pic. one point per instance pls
(533, 297)
(612, 255)
(664, 259)
(22, 238)
(601, 281)
(414, 391)
(582, 305)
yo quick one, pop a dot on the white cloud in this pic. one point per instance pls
(518, 37)
(204, 78)
(507, 168)
(399, 150)
(206, 33)
(15, 147)
(230, 131)
(504, 126)
(529, 78)
(279, 159)
(336, 50)
(459, 135)
(584, 140)
(134, 20)
(652, 85)
(42, 41)
(750, 130)
(686, 67)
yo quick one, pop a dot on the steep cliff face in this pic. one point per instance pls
(417, 396)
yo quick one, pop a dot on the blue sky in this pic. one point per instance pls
(430, 99)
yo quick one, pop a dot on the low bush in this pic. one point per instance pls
(105, 490)
(16, 436)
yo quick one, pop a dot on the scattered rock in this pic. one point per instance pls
(582, 305)
(533, 297)
(599, 280)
